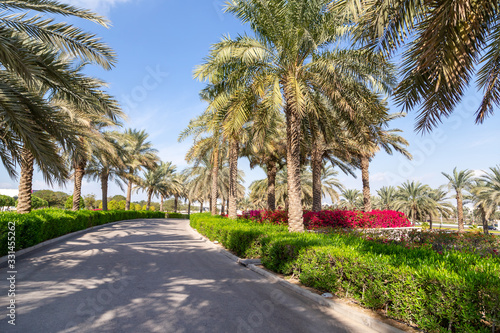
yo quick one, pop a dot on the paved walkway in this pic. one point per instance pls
(152, 276)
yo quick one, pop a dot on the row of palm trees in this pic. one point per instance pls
(287, 94)
(308, 85)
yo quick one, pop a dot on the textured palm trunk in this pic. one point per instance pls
(215, 175)
(430, 221)
(77, 192)
(223, 207)
(201, 206)
(460, 210)
(148, 205)
(271, 185)
(365, 176)
(316, 159)
(189, 207)
(25, 182)
(104, 189)
(176, 203)
(233, 179)
(161, 203)
(485, 221)
(129, 195)
(295, 213)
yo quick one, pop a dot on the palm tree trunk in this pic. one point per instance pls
(189, 207)
(104, 188)
(271, 185)
(365, 176)
(430, 221)
(233, 179)
(215, 175)
(201, 206)
(25, 182)
(148, 205)
(176, 203)
(460, 210)
(485, 221)
(295, 213)
(316, 160)
(223, 207)
(129, 195)
(161, 203)
(77, 192)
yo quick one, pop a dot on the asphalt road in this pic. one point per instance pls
(151, 276)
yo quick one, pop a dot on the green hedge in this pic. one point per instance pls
(453, 291)
(177, 216)
(41, 225)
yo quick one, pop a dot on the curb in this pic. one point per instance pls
(59, 239)
(340, 308)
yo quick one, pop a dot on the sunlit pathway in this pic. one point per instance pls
(152, 276)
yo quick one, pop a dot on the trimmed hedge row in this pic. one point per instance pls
(177, 216)
(453, 291)
(41, 225)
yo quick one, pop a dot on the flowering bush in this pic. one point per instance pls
(334, 219)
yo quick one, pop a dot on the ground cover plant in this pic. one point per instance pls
(177, 216)
(438, 291)
(41, 225)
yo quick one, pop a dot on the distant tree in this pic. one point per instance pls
(6, 201)
(90, 202)
(69, 203)
(37, 203)
(55, 199)
(118, 197)
(460, 181)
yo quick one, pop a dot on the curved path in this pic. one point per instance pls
(152, 276)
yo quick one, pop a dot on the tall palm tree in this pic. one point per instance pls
(139, 154)
(154, 182)
(459, 182)
(106, 165)
(413, 200)
(444, 51)
(372, 138)
(173, 182)
(290, 53)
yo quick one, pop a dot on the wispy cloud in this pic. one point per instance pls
(102, 7)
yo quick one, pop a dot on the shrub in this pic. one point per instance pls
(177, 216)
(6, 201)
(451, 290)
(41, 225)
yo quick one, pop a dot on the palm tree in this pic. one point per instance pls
(105, 166)
(387, 197)
(460, 181)
(413, 200)
(33, 54)
(173, 183)
(288, 54)
(441, 205)
(372, 138)
(139, 154)
(154, 182)
(446, 43)
(486, 193)
(350, 199)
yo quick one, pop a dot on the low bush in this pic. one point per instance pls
(440, 292)
(334, 219)
(41, 225)
(178, 216)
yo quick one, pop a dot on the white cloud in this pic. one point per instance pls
(102, 7)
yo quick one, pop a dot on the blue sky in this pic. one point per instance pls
(159, 42)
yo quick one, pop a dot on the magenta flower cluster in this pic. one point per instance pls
(334, 219)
